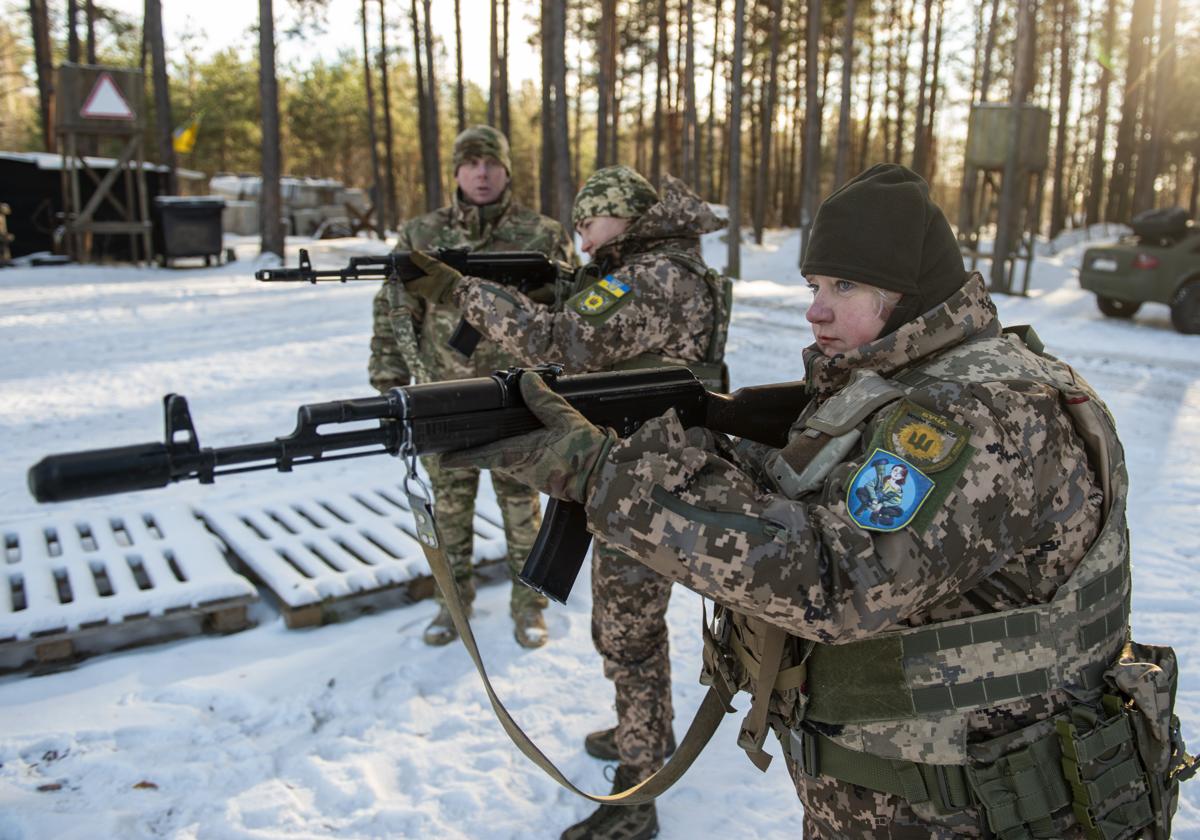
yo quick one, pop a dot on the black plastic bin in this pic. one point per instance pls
(188, 227)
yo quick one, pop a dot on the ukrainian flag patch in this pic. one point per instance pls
(603, 297)
(616, 288)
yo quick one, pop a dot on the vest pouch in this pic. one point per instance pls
(1111, 794)
(1018, 783)
(1143, 682)
(742, 653)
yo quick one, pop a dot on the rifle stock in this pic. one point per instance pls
(429, 419)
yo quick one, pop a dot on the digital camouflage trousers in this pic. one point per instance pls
(629, 630)
(454, 500)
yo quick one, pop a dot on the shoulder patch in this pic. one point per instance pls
(601, 297)
(926, 439)
(887, 492)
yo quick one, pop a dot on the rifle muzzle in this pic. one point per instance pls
(100, 472)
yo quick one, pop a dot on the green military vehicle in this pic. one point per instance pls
(1159, 262)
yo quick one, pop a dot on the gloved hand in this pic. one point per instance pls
(439, 280)
(558, 460)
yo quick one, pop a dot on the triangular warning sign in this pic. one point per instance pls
(105, 102)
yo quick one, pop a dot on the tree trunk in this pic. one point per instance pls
(810, 174)
(842, 160)
(1150, 166)
(390, 205)
(548, 193)
(561, 139)
(734, 260)
(1096, 184)
(1194, 203)
(271, 202)
(90, 15)
(1007, 227)
(459, 91)
(640, 141)
(966, 201)
(934, 86)
(1058, 198)
(153, 33)
(902, 82)
(618, 91)
(889, 95)
(505, 113)
(423, 133)
(713, 162)
(606, 65)
(690, 170)
(431, 100)
(1119, 199)
(39, 20)
(762, 159)
(493, 107)
(660, 80)
(864, 143)
(920, 153)
(376, 185)
(73, 31)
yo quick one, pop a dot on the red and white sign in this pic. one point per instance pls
(106, 102)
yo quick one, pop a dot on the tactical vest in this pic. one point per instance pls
(711, 370)
(910, 693)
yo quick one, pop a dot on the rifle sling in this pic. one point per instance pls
(708, 716)
(700, 732)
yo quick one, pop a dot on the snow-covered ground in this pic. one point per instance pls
(358, 730)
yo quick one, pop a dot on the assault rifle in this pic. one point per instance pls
(526, 271)
(427, 419)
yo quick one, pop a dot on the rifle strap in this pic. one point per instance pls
(708, 717)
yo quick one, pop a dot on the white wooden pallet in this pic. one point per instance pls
(337, 552)
(79, 584)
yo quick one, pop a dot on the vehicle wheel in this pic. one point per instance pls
(1185, 308)
(1114, 308)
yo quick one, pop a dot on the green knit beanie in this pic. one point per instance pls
(614, 191)
(883, 229)
(479, 141)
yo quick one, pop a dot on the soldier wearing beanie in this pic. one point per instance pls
(409, 344)
(646, 299)
(921, 590)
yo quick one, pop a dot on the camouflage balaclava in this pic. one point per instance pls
(882, 228)
(614, 191)
(479, 141)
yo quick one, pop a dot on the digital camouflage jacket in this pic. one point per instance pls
(501, 226)
(999, 507)
(642, 294)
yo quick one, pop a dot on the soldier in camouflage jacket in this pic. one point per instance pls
(410, 344)
(889, 729)
(645, 300)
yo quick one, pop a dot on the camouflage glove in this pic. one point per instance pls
(558, 460)
(439, 280)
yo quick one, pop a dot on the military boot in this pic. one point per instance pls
(617, 822)
(441, 630)
(603, 744)
(529, 627)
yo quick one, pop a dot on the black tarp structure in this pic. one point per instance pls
(31, 184)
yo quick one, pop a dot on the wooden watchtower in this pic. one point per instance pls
(98, 102)
(989, 137)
